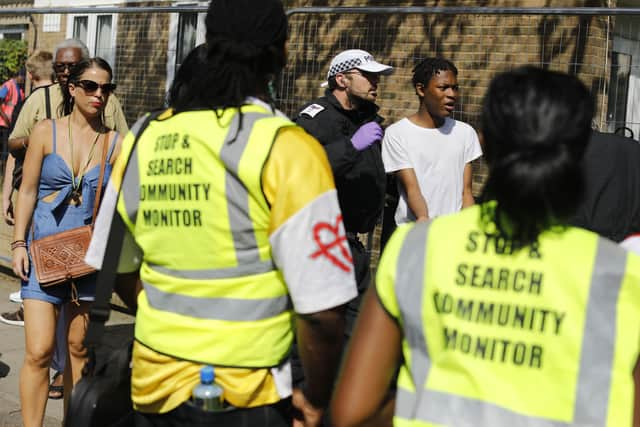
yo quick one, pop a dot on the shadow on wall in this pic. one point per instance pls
(479, 45)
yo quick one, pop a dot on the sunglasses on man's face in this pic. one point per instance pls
(60, 67)
(90, 86)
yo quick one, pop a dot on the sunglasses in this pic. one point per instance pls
(60, 67)
(90, 86)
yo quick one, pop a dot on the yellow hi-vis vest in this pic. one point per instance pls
(192, 198)
(545, 336)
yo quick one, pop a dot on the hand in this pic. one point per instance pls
(422, 219)
(366, 135)
(7, 210)
(20, 263)
(305, 414)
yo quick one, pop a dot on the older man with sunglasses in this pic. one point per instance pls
(46, 104)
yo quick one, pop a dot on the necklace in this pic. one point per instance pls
(76, 191)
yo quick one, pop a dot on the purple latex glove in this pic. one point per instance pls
(366, 135)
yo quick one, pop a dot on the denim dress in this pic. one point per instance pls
(58, 215)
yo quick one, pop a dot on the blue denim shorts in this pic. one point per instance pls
(58, 294)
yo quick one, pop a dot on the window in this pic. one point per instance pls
(80, 24)
(51, 23)
(618, 92)
(186, 31)
(13, 32)
(98, 32)
(103, 37)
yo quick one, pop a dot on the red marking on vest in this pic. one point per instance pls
(325, 247)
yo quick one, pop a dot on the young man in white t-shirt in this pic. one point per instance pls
(429, 152)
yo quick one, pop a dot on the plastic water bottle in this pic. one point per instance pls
(208, 395)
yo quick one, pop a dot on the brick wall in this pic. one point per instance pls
(480, 46)
(141, 60)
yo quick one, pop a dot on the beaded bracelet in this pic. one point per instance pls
(18, 244)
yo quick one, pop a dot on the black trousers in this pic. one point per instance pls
(363, 278)
(276, 415)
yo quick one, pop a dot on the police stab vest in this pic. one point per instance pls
(542, 336)
(192, 198)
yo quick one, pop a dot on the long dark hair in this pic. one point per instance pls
(75, 75)
(185, 91)
(245, 50)
(536, 126)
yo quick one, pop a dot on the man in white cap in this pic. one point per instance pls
(346, 122)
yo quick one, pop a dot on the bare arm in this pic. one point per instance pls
(368, 368)
(415, 199)
(320, 343)
(28, 193)
(467, 196)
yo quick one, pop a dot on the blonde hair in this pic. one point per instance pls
(40, 65)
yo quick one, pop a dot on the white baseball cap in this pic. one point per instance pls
(356, 58)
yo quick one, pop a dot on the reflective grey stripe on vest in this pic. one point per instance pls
(244, 238)
(230, 309)
(131, 179)
(220, 273)
(596, 363)
(409, 293)
(237, 195)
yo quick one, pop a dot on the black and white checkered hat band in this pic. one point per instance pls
(347, 65)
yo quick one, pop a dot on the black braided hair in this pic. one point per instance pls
(429, 67)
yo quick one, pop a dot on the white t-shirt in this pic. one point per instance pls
(438, 157)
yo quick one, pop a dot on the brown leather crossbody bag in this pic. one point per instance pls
(59, 258)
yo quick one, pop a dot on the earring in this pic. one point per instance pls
(271, 89)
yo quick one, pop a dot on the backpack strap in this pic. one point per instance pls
(47, 102)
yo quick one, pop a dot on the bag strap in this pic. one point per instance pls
(103, 165)
(100, 309)
(47, 101)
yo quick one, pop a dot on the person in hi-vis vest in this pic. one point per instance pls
(235, 231)
(502, 314)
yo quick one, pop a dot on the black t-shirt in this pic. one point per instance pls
(611, 203)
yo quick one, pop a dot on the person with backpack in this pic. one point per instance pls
(11, 94)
